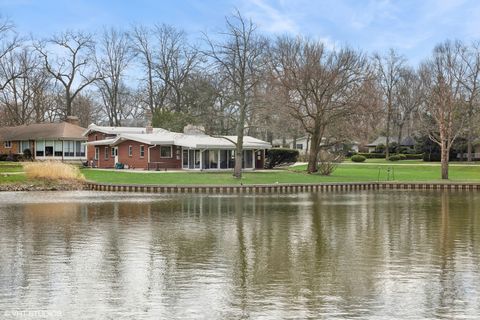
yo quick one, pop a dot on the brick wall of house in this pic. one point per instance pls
(12, 150)
(103, 162)
(135, 161)
(93, 136)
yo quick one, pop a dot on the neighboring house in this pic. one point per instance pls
(156, 148)
(56, 141)
(301, 144)
(382, 140)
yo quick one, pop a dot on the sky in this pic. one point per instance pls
(412, 27)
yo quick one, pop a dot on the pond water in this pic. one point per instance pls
(362, 255)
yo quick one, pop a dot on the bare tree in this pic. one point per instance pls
(444, 101)
(18, 94)
(322, 86)
(115, 56)
(240, 58)
(71, 64)
(388, 69)
(470, 80)
(9, 41)
(408, 98)
(143, 48)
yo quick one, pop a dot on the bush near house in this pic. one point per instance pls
(358, 158)
(278, 156)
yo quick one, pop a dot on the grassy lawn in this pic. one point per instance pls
(344, 173)
(373, 170)
(10, 167)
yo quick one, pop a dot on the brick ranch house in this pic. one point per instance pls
(159, 149)
(47, 141)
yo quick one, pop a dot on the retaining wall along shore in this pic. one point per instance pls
(279, 188)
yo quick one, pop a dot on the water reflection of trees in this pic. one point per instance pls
(363, 253)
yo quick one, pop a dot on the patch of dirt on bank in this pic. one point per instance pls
(44, 185)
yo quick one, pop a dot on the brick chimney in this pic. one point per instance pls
(149, 128)
(73, 120)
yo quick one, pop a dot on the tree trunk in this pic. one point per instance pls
(444, 159)
(469, 146)
(237, 171)
(400, 129)
(313, 155)
(387, 140)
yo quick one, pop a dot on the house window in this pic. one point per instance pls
(24, 145)
(166, 152)
(39, 148)
(97, 153)
(112, 152)
(299, 146)
(8, 144)
(130, 151)
(106, 153)
(59, 148)
(142, 151)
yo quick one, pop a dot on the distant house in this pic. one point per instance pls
(59, 141)
(155, 148)
(382, 140)
(302, 144)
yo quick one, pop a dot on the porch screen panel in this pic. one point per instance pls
(197, 159)
(223, 159)
(58, 148)
(185, 158)
(191, 159)
(49, 148)
(248, 159)
(39, 148)
(213, 159)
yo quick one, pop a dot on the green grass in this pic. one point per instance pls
(14, 178)
(373, 170)
(10, 167)
(344, 173)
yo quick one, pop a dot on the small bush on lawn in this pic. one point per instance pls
(394, 158)
(402, 156)
(328, 162)
(279, 156)
(52, 170)
(358, 158)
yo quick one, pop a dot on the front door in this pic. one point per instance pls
(115, 150)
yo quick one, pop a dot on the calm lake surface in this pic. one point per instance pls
(362, 255)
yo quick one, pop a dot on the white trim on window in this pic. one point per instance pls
(97, 153)
(170, 152)
(142, 151)
(7, 144)
(106, 153)
(130, 150)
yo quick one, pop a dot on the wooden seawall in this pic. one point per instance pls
(279, 188)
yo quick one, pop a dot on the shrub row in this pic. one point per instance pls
(372, 155)
(278, 156)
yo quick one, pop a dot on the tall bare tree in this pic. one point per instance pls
(240, 57)
(72, 63)
(444, 101)
(9, 41)
(388, 69)
(322, 87)
(470, 80)
(408, 98)
(114, 57)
